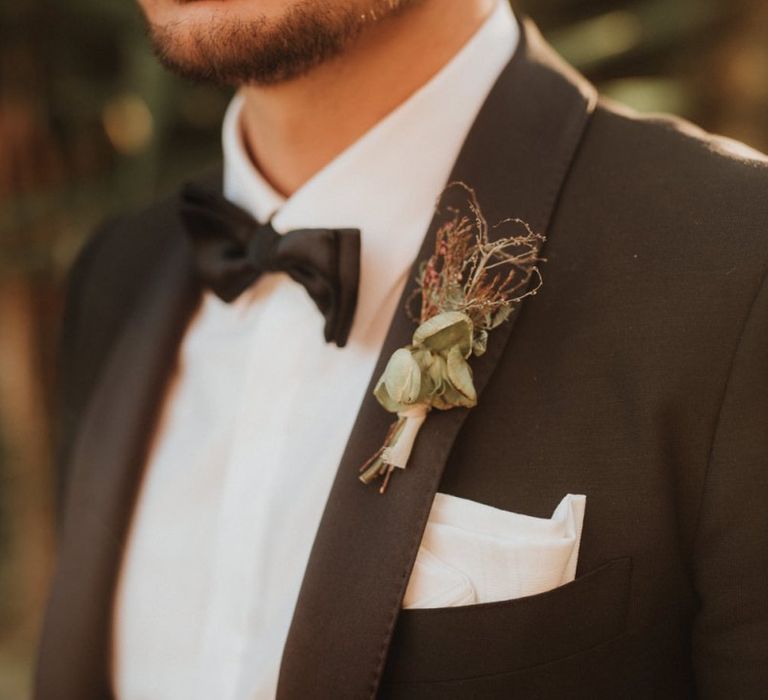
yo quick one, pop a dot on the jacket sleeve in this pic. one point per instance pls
(730, 640)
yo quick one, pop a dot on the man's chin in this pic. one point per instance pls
(231, 42)
(261, 42)
(195, 37)
(173, 12)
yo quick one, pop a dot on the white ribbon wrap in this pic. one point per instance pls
(399, 451)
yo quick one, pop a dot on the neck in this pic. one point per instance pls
(294, 129)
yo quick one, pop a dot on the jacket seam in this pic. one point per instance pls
(723, 397)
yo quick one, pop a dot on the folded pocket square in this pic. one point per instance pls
(474, 553)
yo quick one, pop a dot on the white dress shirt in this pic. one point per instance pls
(259, 411)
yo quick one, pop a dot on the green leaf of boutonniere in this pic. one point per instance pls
(445, 331)
(402, 377)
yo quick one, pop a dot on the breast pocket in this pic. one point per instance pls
(470, 641)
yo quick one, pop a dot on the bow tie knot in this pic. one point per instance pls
(232, 250)
(260, 249)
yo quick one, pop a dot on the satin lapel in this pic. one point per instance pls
(106, 466)
(515, 157)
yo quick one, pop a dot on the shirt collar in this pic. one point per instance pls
(385, 183)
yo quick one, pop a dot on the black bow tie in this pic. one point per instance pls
(232, 250)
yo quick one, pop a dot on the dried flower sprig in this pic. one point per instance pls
(467, 287)
(474, 275)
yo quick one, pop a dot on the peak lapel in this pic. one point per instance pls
(107, 460)
(515, 157)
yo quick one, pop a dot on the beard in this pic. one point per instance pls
(266, 51)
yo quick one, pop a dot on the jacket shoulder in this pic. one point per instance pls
(113, 267)
(661, 152)
(121, 255)
(670, 181)
(120, 252)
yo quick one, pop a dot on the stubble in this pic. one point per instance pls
(265, 51)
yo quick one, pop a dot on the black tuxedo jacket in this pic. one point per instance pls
(638, 375)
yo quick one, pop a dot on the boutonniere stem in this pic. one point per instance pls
(466, 288)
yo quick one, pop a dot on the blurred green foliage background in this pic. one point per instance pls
(90, 124)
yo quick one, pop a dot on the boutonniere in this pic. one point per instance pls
(466, 288)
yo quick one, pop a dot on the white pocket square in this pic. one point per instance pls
(474, 553)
